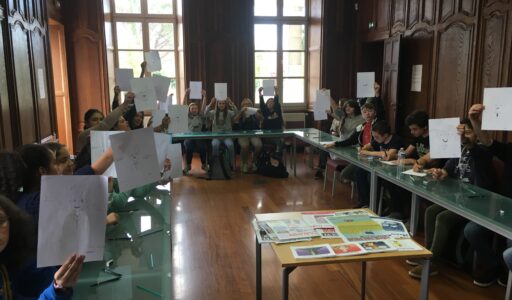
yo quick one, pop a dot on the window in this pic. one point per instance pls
(280, 45)
(142, 25)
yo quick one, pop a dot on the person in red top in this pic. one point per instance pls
(362, 136)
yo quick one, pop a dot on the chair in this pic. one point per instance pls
(335, 165)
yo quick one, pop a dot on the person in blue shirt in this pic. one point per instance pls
(16, 249)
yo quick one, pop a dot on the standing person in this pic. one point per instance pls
(473, 167)
(196, 123)
(248, 121)
(220, 119)
(343, 128)
(487, 260)
(20, 280)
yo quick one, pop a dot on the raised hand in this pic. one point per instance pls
(67, 275)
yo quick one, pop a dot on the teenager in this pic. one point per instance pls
(473, 167)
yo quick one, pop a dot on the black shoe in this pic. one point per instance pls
(319, 174)
(486, 280)
(503, 280)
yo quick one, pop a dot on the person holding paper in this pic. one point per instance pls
(19, 277)
(473, 167)
(272, 115)
(248, 120)
(220, 120)
(384, 145)
(376, 101)
(487, 260)
(95, 120)
(350, 119)
(196, 123)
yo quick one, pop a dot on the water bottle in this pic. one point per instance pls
(401, 157)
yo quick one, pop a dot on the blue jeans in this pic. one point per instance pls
(481, 239)
(507, 256)
(229, 144)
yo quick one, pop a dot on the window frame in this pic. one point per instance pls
(279, 20)
(145, 19)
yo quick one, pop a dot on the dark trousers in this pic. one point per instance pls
(191, 146)
(363, 186)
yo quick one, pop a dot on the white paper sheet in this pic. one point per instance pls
(165, 149)
(221, 91)
(444, 140)
(322, 103)
(157, 116)
(195, 90)
(365, 81)
(100, 142)
(417, 71)
(72, 216)
(41, 83)
(498, 109)
(179, 118)
(161, 84)
(411, 172)
(145, 93)
(268, 87)
(123, 77)
(251, 111)
(135, 157)
(153, 62)
(176, 157)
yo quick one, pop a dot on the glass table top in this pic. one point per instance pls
(137, 259)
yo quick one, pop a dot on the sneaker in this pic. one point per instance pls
(245, 169)
(486, 280)
(205, 167)
(319, 174)
(416, 271)
(413, 262)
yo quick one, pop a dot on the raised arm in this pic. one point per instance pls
(203, 102)
(103, 163)
(263, 106)
(115, 101)
(143, 69)
(475, 116)
(186, 97)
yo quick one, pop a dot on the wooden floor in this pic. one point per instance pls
(214, 251)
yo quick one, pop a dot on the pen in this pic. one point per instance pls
(105, 281)
(149, 291)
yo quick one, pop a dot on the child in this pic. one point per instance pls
(196, 123)
(248, 121)
(220, 119)
(19, 279)
(384, 145)
(480, 238)
(94, 120)
(272, 116)
(362, 136)
(474, 167)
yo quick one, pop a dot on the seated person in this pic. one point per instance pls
(361, 136)
(384, 145)
(474, 167)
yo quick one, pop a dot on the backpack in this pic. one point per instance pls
(266, 168)
(220, 165)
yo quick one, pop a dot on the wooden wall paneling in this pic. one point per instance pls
(365, 16)
(24, 89)
(416, 50)
(447, 9)
(87, 65)
(40, 73)
(390, 79)
(6, 141)
(54, 8)
(468, 7)
(453, 70)
(382, 19)
(399, 14)
(413, 13)
(427, 11)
